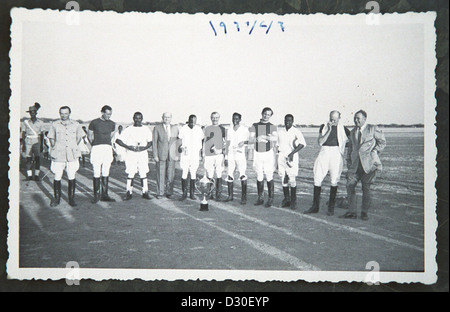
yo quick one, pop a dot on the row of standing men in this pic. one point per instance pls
(217, 148)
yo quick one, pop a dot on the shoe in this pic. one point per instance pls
(269, 203)
(348, 215)
(146, 196)
(364, 216)
(37, 179)
(313, 209)
(106, 198)
(169, 196)
(127, 196)
(29, 178)
(259, 201)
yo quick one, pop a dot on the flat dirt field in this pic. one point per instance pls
(169, 234)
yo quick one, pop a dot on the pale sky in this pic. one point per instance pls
(155, 63)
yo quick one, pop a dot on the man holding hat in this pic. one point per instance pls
(32, 134)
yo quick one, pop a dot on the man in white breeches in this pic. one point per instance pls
(264, 135)
(213, 153)
(191, 136)
(100, 133)
(333, 138)
(237, 137)
(290, 142)
(65, 135)
(136, 139)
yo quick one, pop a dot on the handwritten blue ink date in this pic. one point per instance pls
(248, 26)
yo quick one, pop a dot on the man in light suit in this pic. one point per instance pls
(164, 135)
(365, 143)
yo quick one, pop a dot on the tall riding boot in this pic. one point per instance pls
(219, 189)
(230, 191)
(71, 193)
(192, 189)
(260, 187)
(105, 197)
(316, 201)
(271, 191)
(57, 193)
(287, 199)
(184, 188)
(96, 184)
(294, 198)
(332, 200)
(244, 192)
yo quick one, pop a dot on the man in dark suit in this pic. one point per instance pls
(365, 143)
(164, 135)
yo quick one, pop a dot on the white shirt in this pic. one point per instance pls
(287, 138)
(191, 138)
(234, 137)
(136, 136)
(167, 128)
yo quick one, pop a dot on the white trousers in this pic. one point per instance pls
(285, 170)
(214, 164)
(101, 159)
(237, 160)
(71, 168)
(329, 160)
(264, 164)
(137, 162)
(189, 164)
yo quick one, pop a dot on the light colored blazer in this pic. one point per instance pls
(161, 144)
(366, 151)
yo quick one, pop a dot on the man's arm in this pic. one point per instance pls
(155, 146)
(80, 134)
(90, 136)
(323, 137)
(349, 152)
(149, 141)
(301, 145)
(125, 146)
(51, 135)
(380, 140)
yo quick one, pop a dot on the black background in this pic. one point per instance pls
(280, 293)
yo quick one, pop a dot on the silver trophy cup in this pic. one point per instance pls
(205, 187)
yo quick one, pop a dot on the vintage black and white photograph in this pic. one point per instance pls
(222, 146)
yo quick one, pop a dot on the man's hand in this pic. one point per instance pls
(262, 139)
(156, 159)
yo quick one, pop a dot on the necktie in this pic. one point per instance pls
(359, 135)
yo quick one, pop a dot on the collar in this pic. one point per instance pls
(69, 121)
(363, 127)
